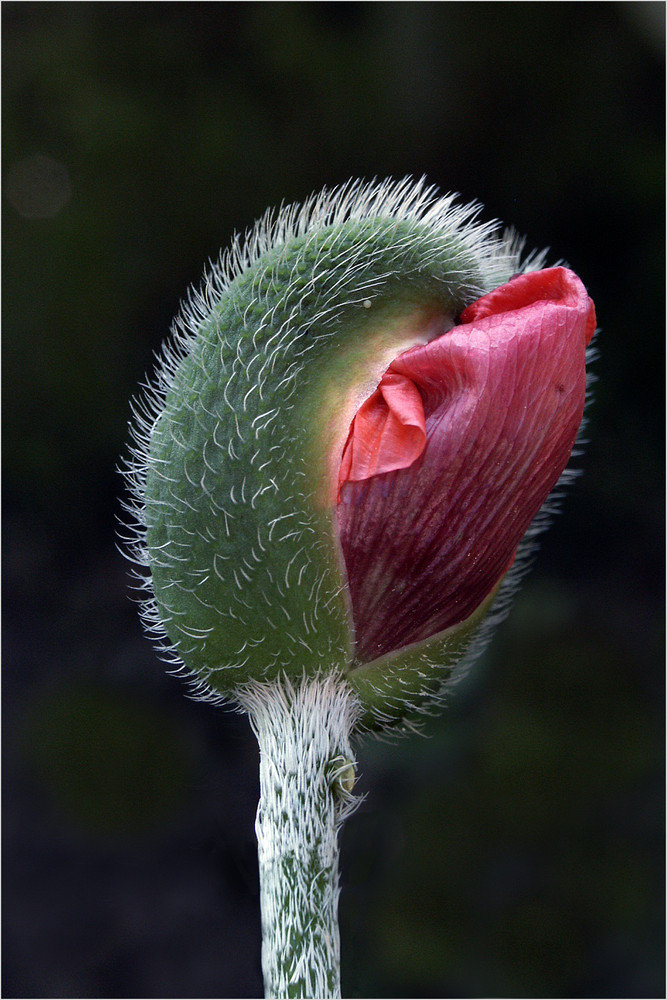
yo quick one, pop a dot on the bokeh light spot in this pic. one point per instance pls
(38, 186)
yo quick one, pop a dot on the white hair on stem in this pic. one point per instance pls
(306, 777)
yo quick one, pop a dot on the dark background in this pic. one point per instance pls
(519, 850)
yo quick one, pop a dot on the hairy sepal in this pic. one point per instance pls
(398, 690)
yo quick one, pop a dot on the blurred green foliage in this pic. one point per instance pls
(114, 765)
(525, 842)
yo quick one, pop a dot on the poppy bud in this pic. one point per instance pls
(356, 423)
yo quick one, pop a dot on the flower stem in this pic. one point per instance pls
(306, 775)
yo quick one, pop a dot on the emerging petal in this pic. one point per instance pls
(387, 433)
(427, 537)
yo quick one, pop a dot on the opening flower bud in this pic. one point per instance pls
(355, 424)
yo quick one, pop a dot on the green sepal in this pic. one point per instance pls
(397, 690)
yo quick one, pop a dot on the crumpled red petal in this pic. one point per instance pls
(502, 395)
(388, 431)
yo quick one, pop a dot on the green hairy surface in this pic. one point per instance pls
(236, 529)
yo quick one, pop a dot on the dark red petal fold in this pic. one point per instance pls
(432, 508)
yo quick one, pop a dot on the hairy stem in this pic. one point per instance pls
(306, 774)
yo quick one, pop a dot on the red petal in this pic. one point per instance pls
(557, 284)
(503, 396)
(387, 433)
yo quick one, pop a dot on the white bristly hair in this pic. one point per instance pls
(306, 772)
